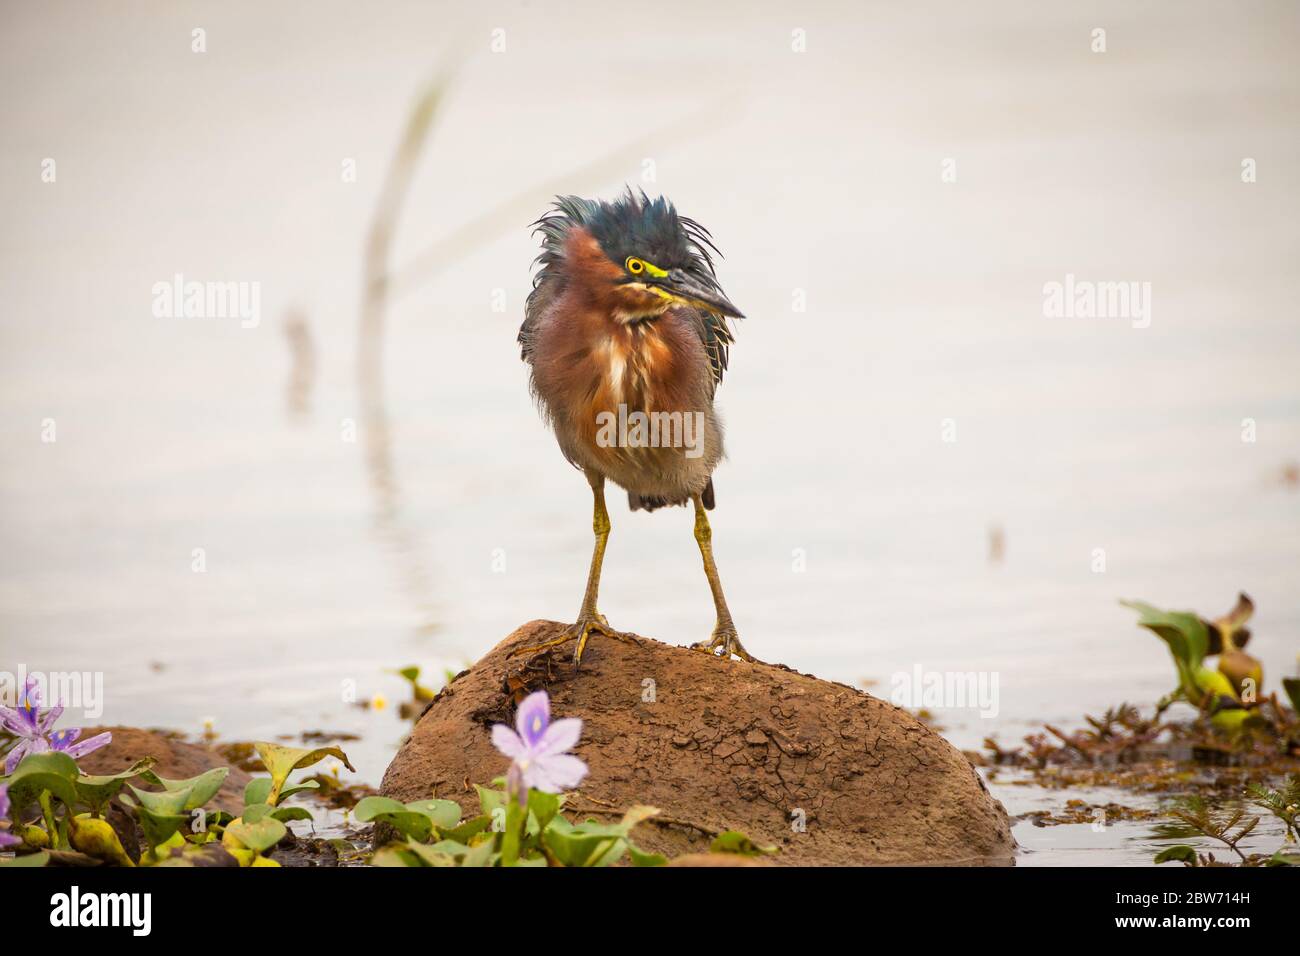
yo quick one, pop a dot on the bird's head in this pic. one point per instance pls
(636, 256)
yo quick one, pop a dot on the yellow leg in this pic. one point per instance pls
(589, 620)
(725, 641)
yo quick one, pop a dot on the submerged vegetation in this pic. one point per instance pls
(1237, 746)
(1192, 816)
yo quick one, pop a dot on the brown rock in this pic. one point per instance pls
(716, 859)
(176, 760)
(718, 745)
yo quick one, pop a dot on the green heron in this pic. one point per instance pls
(626, 324)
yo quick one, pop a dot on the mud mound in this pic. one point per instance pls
(719, 745)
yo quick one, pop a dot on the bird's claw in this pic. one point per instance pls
(580, 631)
(725, 643)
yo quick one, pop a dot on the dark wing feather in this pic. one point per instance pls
(716, 337)
(711, 327)
(545, 291)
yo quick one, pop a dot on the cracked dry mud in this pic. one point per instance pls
(718, 745)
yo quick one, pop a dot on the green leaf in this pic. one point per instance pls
(733, 841)
(481, 854)
(52, 771)
(1214, 683)
(451, 848)
(1181, 853)
(258, 837)
(368, 808)
(158, 825)
(544, 807)
(415, 820)
(429, 856)
(285, 814)
(256, 812)
(640, 857)
(469, 828)
(97, 791)
(199, 789)
(163, 801)
(490, 801)
(1186, 636)
(40, 858)
(395, 855)
(588, 844)
(259, 789)
(445, 814)
(281, 761)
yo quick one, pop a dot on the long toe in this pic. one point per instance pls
(725, 644)
(589, 626)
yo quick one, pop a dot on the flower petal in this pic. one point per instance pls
(45, 721)
(533, 717)
(16, 755)
(560, 736)
(81, 748)
(21, 720)
(31, 693)
(62, 739)
(507, 741)
(13, 721)
(4, 801)
(8, 839)
(555, 773)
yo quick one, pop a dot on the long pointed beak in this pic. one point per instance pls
(684, 288)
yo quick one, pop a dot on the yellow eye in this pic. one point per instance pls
(634, 265)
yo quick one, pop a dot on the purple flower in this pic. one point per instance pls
(6, 839)
(35, 733)
(537, 751)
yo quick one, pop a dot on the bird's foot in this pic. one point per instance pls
(579, 631)
(725, 643)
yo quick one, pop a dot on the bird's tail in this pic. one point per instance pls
(641, 503)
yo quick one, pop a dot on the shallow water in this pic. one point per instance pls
(854, 540)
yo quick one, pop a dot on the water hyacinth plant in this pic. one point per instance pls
(34, 731)
(59, 815)
(1230, 695)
